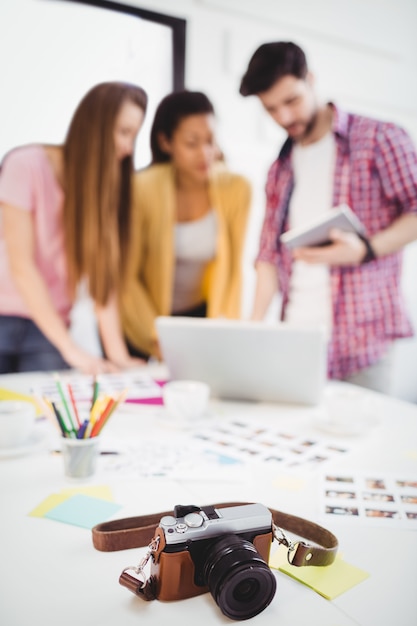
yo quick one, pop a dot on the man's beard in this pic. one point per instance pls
(308, 128)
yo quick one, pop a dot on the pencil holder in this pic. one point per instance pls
(80, 456)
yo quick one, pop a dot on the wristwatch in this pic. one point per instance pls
(370, 252)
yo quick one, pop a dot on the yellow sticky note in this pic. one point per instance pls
(8, 394)
(49, 503)
(96, 491)
(329, 581)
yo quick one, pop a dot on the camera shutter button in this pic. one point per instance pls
(193, 520)
(181, 528)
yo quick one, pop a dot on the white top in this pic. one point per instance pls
(309, 296)
(195, 247)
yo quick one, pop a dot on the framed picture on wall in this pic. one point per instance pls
(56, 50)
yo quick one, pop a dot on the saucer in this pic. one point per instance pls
(33, 443)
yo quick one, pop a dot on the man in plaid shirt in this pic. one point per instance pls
(351, 287)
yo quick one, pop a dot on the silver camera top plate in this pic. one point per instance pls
(198, 525)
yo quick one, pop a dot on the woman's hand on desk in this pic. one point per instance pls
(128, 362)
(87, 363)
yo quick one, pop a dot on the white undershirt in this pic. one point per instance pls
(309, 296)
(195, 247)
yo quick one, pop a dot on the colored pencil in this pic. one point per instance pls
(65, 405)
(65, 431)
(48, 411)
(100, 422)
(95, 392)
(118, 401)
(101, 410)
(74, 406)
(82, 429)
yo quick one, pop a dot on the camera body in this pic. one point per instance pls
(221, 550)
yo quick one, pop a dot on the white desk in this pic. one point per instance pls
(50, 573)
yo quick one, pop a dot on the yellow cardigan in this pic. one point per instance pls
(147, 292)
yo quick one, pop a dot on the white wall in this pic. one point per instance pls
(72, 48)
(364, 56)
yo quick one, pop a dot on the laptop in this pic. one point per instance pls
(243, 360)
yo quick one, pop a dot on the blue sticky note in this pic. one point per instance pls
(82, 510)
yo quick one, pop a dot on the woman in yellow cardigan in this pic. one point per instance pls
(188, 228)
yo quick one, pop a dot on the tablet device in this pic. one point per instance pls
(316, 233)
(246, 360)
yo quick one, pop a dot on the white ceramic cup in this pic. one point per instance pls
(17, 419)
(346, 410)
(185, 400)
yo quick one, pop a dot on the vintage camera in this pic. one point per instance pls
(221, 550)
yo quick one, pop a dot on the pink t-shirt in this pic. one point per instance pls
(27, 182)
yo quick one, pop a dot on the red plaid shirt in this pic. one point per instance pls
(376, 175)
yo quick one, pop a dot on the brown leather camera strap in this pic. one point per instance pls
(136, 532)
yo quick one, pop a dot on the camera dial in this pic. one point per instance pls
(193, 520)
(168, 520)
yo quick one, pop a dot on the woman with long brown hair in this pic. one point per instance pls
(65, 220)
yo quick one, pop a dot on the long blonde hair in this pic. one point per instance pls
(97, 191)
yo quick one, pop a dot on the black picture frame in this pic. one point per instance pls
(178, 26)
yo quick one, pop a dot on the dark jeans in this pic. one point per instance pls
(24, 348)
(199, 311)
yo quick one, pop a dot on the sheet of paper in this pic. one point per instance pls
(140, 386)
(275, 447)
(371, 498)
(223, 449)
(173, 459)
(82, 510)
(97, 491)
(330, 581)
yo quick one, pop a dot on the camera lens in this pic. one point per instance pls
(246, 590)
(238, 578)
